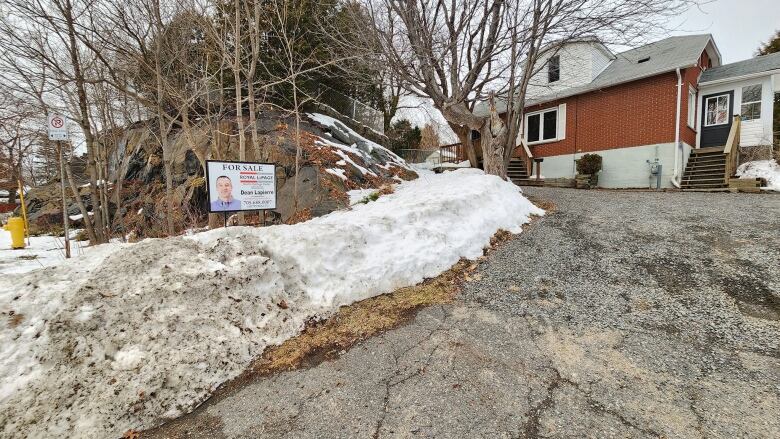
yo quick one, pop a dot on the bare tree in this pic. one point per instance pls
(459, 53)
(48, 38)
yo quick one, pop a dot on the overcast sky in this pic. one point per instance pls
(738, 26)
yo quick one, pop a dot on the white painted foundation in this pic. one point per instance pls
(623, 167)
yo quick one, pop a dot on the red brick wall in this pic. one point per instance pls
(691, 79)
(633, 114)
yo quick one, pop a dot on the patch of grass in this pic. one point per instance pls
(28, 257)
(373, 196)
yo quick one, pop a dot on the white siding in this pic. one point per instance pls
(754, 132)
(580, 62)
(600, 62)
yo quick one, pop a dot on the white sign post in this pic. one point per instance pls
(58, 131)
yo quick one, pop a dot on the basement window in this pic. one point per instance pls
(643, 60)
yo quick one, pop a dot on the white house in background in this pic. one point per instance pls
(749, 88)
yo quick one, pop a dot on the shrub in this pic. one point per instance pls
(589, 164)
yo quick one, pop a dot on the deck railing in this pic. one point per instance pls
(731, 150)
(453, 153)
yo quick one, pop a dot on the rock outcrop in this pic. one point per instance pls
(334, 159)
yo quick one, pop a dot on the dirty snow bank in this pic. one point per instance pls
(766, 169)
(95, 348)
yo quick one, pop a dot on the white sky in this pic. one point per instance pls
(738, 26)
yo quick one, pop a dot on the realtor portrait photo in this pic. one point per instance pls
(225, 200)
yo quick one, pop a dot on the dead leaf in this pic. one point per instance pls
(282, 304)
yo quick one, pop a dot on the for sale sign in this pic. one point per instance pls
(238, 186)
(57, 127)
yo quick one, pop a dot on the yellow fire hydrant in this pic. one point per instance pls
(15, 225)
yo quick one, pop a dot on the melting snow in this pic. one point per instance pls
(131, 333)
(766, 169)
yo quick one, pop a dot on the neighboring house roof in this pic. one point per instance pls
(663, 56)
(738, 69)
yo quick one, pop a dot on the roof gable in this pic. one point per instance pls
(659, 57)
(738, 69)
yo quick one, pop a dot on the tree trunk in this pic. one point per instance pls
(97, 216)
(464, 135)
(80, 204)
(494, 141)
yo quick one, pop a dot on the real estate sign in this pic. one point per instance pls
(240, 186)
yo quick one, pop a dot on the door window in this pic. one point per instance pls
(717, 110)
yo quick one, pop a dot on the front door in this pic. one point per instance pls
(716, 119)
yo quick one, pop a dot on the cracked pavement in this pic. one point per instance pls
(623, 314)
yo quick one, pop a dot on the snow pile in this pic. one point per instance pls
(43, 251)
(146, 331)
(769, 170)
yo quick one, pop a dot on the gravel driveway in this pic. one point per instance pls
(623, 314)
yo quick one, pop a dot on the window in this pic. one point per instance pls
(691, 107)
(533, 127)
(751, 102)
(554, 69)
(717, 110)
(643, 60)
(542, 126)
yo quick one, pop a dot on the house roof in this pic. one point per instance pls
(751, 66)
(663, 56)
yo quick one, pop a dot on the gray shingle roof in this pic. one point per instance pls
(664, 56)
(749, 66)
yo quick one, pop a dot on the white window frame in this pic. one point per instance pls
(692, 93)
(541, 114)
(706, 106)
(743, 103)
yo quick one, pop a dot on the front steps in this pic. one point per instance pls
(706, 170)
(519, 175)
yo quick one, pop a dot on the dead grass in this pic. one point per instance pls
(547, 205)
(326, 339)
(323, 340)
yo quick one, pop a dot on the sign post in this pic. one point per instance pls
(240, 186)
(58, 131)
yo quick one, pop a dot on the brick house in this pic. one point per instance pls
(624, 107)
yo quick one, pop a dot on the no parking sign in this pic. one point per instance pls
(57, 127)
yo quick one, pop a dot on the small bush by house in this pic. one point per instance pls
(589, 164)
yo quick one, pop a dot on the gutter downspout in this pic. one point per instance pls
(676, 176)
